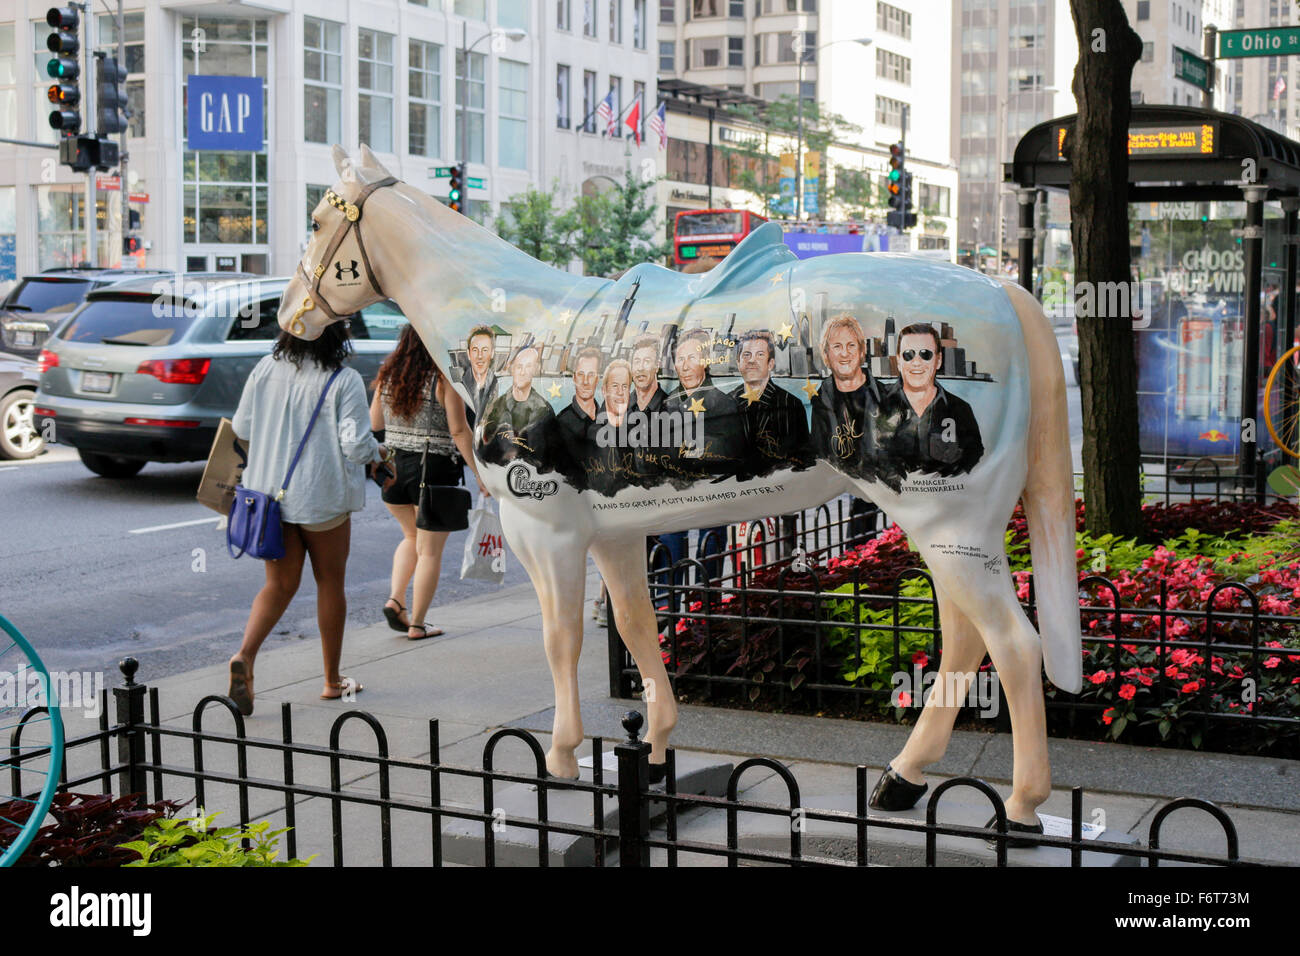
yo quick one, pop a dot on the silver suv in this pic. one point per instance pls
(145, 370)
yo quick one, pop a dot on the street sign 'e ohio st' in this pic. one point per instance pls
(1274, 41)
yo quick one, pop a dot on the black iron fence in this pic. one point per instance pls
(632, 822)
(749, 620)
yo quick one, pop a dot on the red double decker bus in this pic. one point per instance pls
(704, 233)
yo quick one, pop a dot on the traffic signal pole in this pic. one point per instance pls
(88, 97)
(121, 140)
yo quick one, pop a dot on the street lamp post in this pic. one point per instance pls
(465, 49)
(797, 45)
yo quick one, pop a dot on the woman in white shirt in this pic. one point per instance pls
(328, 485)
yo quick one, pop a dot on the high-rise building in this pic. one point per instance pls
(1263, 88)
(1013, 64)
(1168, 30)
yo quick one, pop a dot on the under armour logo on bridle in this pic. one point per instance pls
(339, 269)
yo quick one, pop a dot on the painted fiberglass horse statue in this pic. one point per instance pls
(929, 389)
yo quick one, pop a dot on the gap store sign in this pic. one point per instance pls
(224, 113)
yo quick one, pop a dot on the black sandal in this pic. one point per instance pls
(394, 617)
(428, 631)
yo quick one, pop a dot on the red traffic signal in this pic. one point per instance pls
(131, 245)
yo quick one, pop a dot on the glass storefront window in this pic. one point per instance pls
(61, 227)
(323, 79)
(225, 193)
(8, 235)
(8, 83)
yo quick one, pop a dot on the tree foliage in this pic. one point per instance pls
(532, 223)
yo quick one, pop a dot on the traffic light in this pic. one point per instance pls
(455, 188)
(896, 181)
(131, 245)
(64, 69)
(110, 96)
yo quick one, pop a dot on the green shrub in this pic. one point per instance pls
(192, 841)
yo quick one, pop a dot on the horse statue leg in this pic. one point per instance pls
(623, 566)
(556, 562)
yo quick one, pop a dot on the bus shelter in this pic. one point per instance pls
(1213, 203)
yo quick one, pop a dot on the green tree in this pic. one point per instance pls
(616, 229)
(532, 223)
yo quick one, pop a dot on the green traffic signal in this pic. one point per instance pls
(893, 175)
(63, 68)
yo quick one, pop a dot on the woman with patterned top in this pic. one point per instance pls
(414, 405)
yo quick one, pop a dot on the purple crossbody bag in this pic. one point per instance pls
(254, 527)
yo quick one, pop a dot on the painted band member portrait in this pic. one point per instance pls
(845, 407)
(514, 419)
(481, 382)
(930, 430)
(570, 443)
(775, 424)
(717, 445)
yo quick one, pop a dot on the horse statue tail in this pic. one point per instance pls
(1049, 498)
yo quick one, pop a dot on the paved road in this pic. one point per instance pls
(91, 571)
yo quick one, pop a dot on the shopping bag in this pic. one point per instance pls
(225, 465)
(485, 546)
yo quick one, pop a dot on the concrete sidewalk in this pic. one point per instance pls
(489, 671)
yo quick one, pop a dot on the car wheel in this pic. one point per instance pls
(19, 438)
(110, 466)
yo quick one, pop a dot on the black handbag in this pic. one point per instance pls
(440, 507)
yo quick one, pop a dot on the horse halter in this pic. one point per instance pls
(351, 219)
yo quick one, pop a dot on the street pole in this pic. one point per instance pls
(1209, 40)
(464, 107)
(798, 150)
(997, 182)
(88, 86)
(121, 142)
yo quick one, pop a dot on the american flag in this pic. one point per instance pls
(659, 124)
(605, 114)
(1279, 87)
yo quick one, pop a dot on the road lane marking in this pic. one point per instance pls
(178, 524)
(9, 468)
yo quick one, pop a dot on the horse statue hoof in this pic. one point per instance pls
(1014, 843)
(894, 793)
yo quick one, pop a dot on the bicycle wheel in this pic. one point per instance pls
(31, 748)
(1283, 387)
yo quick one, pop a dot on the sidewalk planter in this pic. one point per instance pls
(1191, 638)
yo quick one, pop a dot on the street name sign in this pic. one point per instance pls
(1273, 41)
(1191, 68)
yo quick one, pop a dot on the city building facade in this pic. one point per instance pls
(388, 73)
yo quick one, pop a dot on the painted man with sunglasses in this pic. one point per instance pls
(923, 427)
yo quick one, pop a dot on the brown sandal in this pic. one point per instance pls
(427, 630)
(342, 686)
(241, 687)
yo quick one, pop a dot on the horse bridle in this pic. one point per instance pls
(351, 219)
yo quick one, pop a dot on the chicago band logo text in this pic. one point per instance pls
(523, 486)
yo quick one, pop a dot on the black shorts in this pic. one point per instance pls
(443, 470)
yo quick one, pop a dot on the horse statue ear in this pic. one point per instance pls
(371, 163)
(342, 161)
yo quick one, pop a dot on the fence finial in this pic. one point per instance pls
(128, 666)
(632, 722)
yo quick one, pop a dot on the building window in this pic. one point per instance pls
(735, 51)
(703, 9)
(589, 18)
(889, 112)
(471, 9)
(785, 47)
(133, 55)
(891, 66)
(564, 15)
(667, 51)
(471, 99)
(667, 11)
(562, 96)
(322, 80)
(1148, 51)
(61, 226)
(375, 89)
(589, 101)
(638, 24)
(1023, 80)
(512, 14)
(890, 19)
(787, 6)
(225, 193)
(424, 94)
(707, 53)
(615, 21)
(314, 195)
(8, 221)
(8, 83)
(736, 9)
(512, 119)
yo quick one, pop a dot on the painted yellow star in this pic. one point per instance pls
(810, 387)
(697, 406)
(751, 395)
(554, 390)
(778, 278)
(785, 332)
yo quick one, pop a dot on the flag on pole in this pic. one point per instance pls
(1279, 87)
(633, 121)
(605, 114)
(659, 123)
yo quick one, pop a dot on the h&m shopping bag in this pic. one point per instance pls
(485, 546)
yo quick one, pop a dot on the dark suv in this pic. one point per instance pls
(39, 302)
